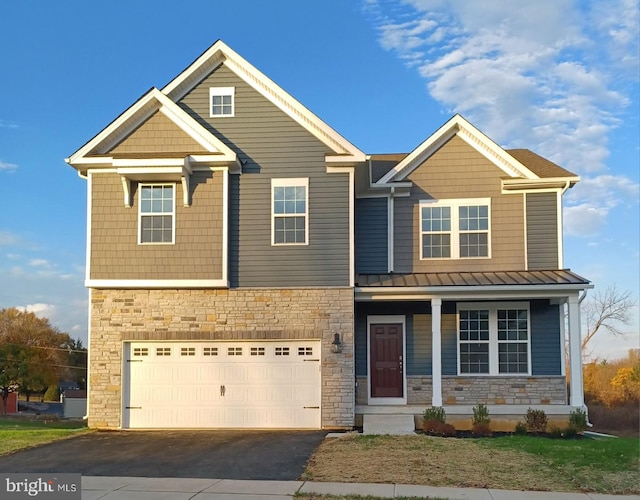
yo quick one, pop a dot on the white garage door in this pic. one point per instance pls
(261, 384)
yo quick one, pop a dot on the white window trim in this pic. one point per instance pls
(493, 307)
(140, 214)
(290, 182)
(222, 91)
(455, 205)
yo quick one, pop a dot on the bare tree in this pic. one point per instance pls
(609, 310)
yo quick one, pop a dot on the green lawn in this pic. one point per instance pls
(602, 465)
(19, 433)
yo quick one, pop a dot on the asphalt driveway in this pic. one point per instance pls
(274, 455)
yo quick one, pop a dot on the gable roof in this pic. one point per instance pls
(517, 164)
(542, 167)
(96, 151)
(218, 53)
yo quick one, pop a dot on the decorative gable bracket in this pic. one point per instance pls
(179, 171)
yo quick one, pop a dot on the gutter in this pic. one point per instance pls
(582, 297)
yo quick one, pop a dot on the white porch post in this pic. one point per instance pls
(575, 354)
(436, 349)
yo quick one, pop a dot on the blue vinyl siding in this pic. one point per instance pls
(371, 235)
(546, 341)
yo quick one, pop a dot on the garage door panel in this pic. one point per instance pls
(262, 384)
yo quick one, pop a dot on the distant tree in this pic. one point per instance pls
(33, 353)
(608, 311)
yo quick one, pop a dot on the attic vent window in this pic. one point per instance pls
(221, 101)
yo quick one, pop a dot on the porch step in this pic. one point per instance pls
(388, 424)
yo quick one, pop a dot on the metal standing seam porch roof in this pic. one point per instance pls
(471, 279)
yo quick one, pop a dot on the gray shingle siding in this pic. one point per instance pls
(542, 230)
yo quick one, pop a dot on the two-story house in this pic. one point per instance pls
(250, 267)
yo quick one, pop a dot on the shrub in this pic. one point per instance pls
(435, 413)
(441, 429)
(578, 420)
(480, 430)
(536, 420)
(521, 429)
(480, 415)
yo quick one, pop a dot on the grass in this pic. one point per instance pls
(510, 462)
(597, 465)
(19, 433)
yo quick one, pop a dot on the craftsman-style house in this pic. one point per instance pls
(250, 267)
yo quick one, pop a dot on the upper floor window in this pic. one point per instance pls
(455, 229)
(289, 215)
(156, 213)
(221, 101)
(493, 339)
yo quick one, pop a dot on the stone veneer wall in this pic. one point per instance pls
(485, 390)
(250, 314)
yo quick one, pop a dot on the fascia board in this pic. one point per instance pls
(143, 106)
(528, 185)
(459, 126)
(152, 101)
(219, 52)
(471, 293)
(172, 283)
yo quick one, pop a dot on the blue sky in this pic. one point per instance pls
(559, 77)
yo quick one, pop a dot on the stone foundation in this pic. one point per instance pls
(486, 390)
(247, 314)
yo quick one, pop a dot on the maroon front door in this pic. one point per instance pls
(386, 361)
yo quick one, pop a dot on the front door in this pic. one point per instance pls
(386, 363)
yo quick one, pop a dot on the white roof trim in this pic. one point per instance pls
(136, 114)
(219, 52)
(457, 125)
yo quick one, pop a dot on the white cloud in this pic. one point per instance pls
(8, 239)
(550, 75)
(584, 219)
(42, 310)
(39, 263)
(8, 167)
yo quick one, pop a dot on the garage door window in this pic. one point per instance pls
(140, 351)
(188, 351)
(163, 351)
(210, 351)
(234, 351)
(305, 351)
(257, 351)
(282, 351)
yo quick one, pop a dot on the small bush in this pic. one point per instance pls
(536, 420)
(431, 425)
(435, 413)
(578, 420)
(481, 430)
(480, 415)
(442, 429)
(521, 429)
(563, 433)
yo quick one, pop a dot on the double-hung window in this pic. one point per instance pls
(289, 211)
(156, 213)
(221, 101)
(455, 229)
(494, 339)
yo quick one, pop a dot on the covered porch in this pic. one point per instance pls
(455, 340)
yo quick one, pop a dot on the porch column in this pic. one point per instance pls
(436, 349)
(575, 354)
